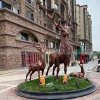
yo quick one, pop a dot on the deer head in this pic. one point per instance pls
(40, 47)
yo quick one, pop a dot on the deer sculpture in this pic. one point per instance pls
(65, 47)
(57, 59)
(39, 66)
(78, 74)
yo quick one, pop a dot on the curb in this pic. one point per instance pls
(56, 95)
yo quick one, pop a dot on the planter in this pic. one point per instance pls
(56, 94)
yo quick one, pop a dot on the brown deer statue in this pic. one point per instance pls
(65, 47)
(78, 74)
(39, 66)
(57, 59)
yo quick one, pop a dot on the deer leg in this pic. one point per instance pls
(57, 72)
(54, 67)
(27, 74)
(69, 57)
(31, 75)
(50, 64)
(65, 68)
(42, 71)
(57, 65)
(39, 74)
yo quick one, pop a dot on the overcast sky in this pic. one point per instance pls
(94, 11)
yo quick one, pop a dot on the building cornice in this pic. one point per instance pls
(10, 47)
(8, 35)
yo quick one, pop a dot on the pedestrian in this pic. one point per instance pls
(82, 58)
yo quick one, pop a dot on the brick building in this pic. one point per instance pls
(74, 36)
(23, 22)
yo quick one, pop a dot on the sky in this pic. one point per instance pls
(94, 11)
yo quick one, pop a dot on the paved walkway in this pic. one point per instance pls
(11, 78)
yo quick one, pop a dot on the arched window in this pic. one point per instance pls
(24, 36)
(27, 36)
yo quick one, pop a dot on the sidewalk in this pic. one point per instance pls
(11, 70)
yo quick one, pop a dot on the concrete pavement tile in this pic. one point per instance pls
(11, 95)
(2, 87)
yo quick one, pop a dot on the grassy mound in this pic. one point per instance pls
(52, 85)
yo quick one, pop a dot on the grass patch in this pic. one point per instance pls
(52, 85)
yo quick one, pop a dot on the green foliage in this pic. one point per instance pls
(55, 85)
(97, 53)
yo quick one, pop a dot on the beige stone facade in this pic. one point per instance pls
(84, 28)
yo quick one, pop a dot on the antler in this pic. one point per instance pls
(40, 47)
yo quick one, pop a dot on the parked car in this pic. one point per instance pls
(98, 67)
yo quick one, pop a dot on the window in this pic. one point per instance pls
(57, 45)
(47, 58)
(30, 14)
(16, 8)
(43, 2)
(40, 22)
(62, 9)
(46, 43)
(57, 30)
(29, 1)
(56, 4)
(56, 1)
(43, 13)
(32, 17)
(45, 25)
(52, 44)
(4, 5)
(0, 4)
(18, 11)
(24, 36)
(39, 11)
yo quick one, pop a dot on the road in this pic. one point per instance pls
(11, 78)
